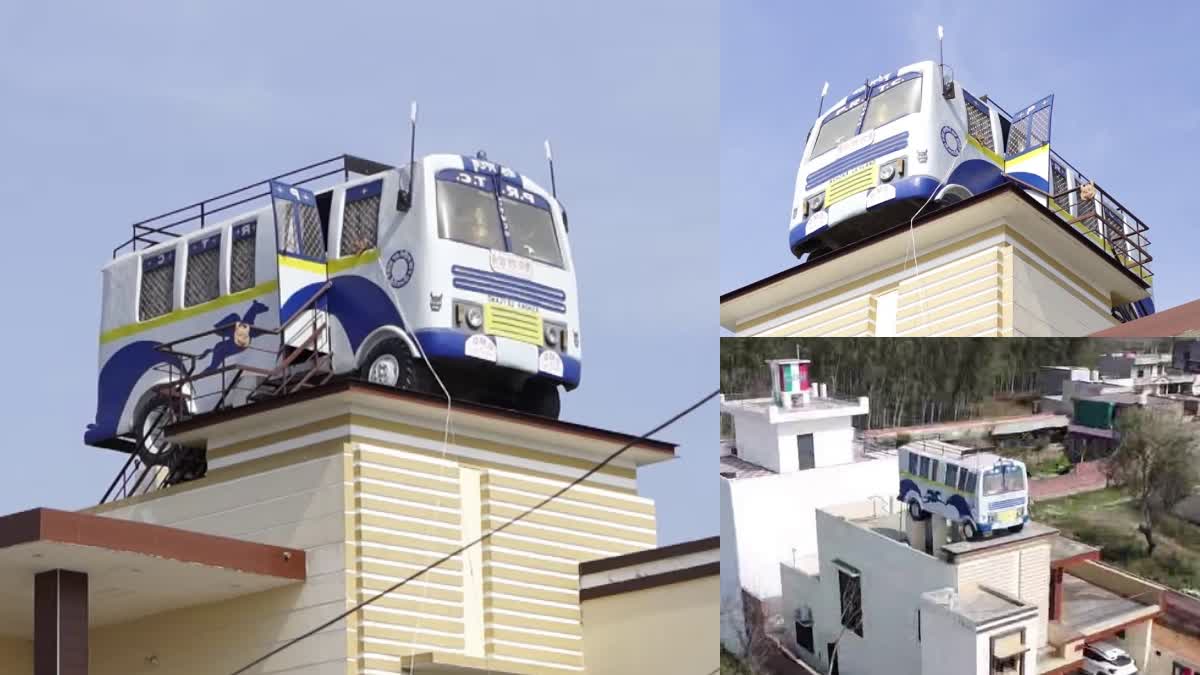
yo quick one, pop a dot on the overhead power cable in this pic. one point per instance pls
(482, 538)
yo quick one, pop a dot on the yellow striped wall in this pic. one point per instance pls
(373, 501)
(511, 604)
(992, 284)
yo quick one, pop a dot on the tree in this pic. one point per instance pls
(1155, 464)
(751, 649)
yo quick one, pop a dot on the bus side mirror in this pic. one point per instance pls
(947, 83)
(403, 200)
(566, 221)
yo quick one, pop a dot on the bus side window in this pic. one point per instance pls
(962, 480)
(924, 472)
(912, 463)
(158, 285)
(360, 218)
(241, 257)
(203, 278)
(933, 470)
(971, 482)
(951, 475)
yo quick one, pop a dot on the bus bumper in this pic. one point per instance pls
(452, 345)
(862, 215)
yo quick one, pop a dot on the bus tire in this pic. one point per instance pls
(970, 532)
(152, 448)
(915, 511)
(1017, 528)
(539, 397)
(391, 364)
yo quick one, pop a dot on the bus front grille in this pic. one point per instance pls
(856, 181)
(514, 323)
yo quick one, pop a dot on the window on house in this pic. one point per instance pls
(831, 651)
(1008, 653)
(951, 475)
(804, 635)
(241, 257)
(924, 472)
(850, 591)
(203, 282)
(158, 285)
(804, 451)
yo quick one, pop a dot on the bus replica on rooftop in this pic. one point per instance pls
(915, 140)
(983, 493)
(452, 260)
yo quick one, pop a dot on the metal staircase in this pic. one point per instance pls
(305, 363)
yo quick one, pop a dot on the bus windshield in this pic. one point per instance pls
(531, 232)
(836, 129)
(469, 215)
(1003, 479)
(892, 103)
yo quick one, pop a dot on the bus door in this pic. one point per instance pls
(1027, 149)
(301, 266)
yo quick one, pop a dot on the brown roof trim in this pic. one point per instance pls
(83, 529)
(652, 581)
(1076, 559)
(929, 217)
(1171, 322)
(650, 555)
(340, 386)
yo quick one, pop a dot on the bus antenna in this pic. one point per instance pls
(821, 105)
(947, 85)
(412, 149)
(550, 161)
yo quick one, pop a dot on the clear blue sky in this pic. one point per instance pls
(1126, 107)
(113, 112)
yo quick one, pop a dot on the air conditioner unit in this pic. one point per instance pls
(804, 616)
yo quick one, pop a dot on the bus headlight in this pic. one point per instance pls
(815, 202)
(468, 315)
(556, 336)
(892, 169)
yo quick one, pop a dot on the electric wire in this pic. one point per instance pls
(484, 537)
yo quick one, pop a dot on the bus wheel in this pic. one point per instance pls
(1017, 528)
(540, 397)
(150, 425)
(915, 511)
(392, 365)
(970, 532)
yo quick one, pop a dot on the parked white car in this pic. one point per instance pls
(1105, 658)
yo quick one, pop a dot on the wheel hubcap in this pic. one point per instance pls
(385, 370)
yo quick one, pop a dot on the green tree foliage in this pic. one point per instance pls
(1155, 464)
(909, 380)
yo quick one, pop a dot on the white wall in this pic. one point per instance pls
(948, 647)
(893, 578)
(774, 445)
(770, 519)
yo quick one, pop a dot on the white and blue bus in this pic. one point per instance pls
(454, 259)
(916, 138)
(982, 492)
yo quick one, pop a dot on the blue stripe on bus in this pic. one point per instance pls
(876, 150)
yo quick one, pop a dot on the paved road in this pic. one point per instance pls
(1086, 476)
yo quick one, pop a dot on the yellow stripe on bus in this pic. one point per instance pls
(302, 264)
(188, 312)
(342, 264)
(988, 152)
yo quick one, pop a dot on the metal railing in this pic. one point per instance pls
(1106, 222)
(172, 224)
